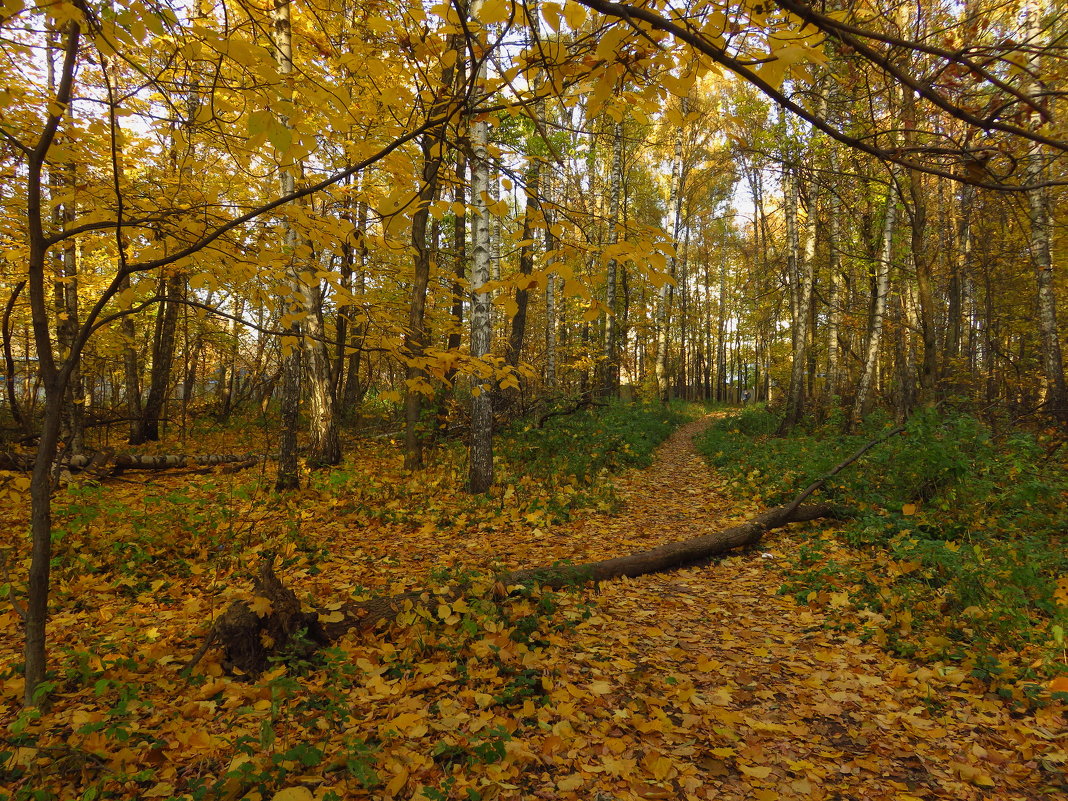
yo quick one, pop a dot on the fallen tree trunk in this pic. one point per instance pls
(674, 554)
(108, 462)
(240, 630)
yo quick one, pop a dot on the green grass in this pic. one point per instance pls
(954, 543)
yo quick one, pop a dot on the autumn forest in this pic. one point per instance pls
(509, 399)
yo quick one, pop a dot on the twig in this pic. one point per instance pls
(192, 663)
(586, 402)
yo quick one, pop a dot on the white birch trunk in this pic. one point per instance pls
(611, 346)
(875, 330)
(1042, 234)
(675, 223)
(480, 475)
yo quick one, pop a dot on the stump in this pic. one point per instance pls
(249, 637)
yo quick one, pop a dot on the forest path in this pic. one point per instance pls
(714, 686)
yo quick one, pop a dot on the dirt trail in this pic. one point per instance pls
(720, 688)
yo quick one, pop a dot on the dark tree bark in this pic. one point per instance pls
(54, 377)
(9, 361)
(162, 359)
(432, 145)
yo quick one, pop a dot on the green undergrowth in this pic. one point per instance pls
(589, 443)
(542, 475)
(954, 543)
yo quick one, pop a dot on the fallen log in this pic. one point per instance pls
(107, 462)
(240, 631)
(674, 554)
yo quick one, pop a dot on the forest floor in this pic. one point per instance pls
(702, 683)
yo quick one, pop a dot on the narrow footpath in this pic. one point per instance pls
(714, 686)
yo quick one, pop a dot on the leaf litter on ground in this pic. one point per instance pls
(700, 683)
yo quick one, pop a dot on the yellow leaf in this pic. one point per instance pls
(757, 771)
(293, 794)
(600, 687)
(495, 11)
(332, 617)
(260, 605)
(660, 767)
(550, 12)
(509, 306)
(572, 782)
(575, 15)
(574, 288)
(909, 509)
(802, 786)
(396, 784)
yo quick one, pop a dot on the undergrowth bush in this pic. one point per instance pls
(543, 475)
(954, 547)
(587, 443)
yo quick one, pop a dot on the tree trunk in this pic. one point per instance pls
(432, 146)
(131, 370)
(610, 387)
(53, 378)
(288, 476)
(353, 391)
(551, 299)
(531, 217)
(107, 462)
(800, 269)
(875, 326)
(834, 304)
(324, 447)
(960, 264)
(1036, 165)
(66, 300)
(459, 255)
(480, 474)
(10, 371)
(162, 360)
(678, 178)
(921, 260)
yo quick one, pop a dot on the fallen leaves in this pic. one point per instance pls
(700, 684)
